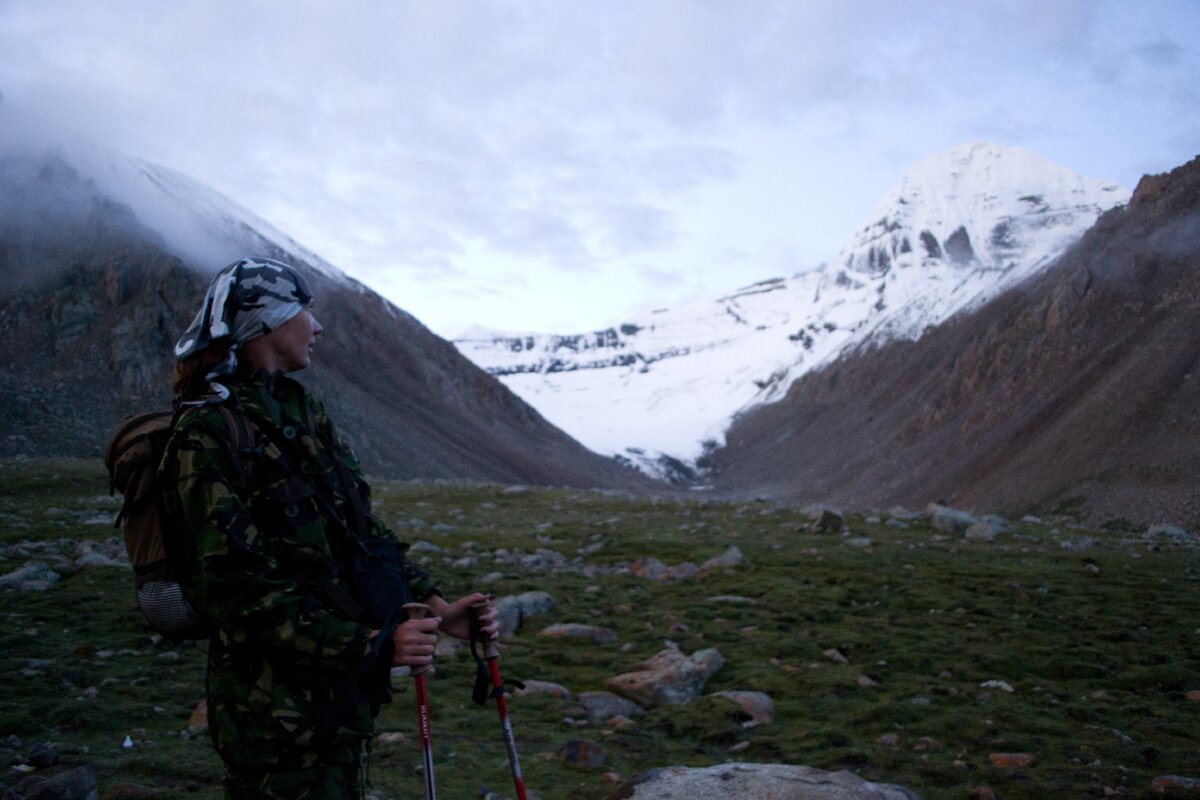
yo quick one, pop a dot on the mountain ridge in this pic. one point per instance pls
(1077, 388)
(663, 387)
(99, 296)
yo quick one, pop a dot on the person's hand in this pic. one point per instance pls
(456, 619)
(414, 640)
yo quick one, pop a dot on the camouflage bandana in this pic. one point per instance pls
(245, 300)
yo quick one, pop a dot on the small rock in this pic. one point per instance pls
(927, 743)
(198, 722)
(611, 777)
(733, 599)
(831, 522)
(33, 577)
(583, 754)
(1001, 685)
(739, 747)
(512, 610)
(132, 791)
(835, 655)
(889, 740)
(570, 630)
(544, 687)
(1092, 569)
(1164, 532)
(730, 558)
(757, 707)
(738, 781)
(1194, 695)
(606, 705)
(1011, 760)
(1175, 786)
(981, 532)
(951, 520)
(866, 682)
(391, 737)
(42, 756)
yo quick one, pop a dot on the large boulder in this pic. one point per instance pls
(512, 610)
(738, 781)
(669, 677)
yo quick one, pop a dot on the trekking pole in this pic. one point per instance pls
(491, 653)
(421, 611)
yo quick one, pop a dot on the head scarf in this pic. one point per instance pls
(248, 298)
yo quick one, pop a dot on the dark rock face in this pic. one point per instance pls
(1082, 385)
(92, 304)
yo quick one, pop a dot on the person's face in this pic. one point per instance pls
(287, 348)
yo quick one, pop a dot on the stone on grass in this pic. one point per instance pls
(583, 754)
(757, 707)
(544, 687)
(1175, 786)
(602, 706)
(571, 630)
(73, 784)
(667, 678)
(198, 722)
(133, 791)
(730, 558)
(835, 655)
(512, 610)
(739, 781)
(1011, 760)
(830, 522)
(951, 520)
(1170, 533)
(33, 577)
(981, 532)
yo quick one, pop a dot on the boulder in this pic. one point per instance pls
(951, 520)
(668, 678)
(513, 609)
(737, 781)
(830, 522)
(72, 784)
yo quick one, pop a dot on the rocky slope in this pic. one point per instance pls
(958, 229)
(94, 296)
(1078, 387)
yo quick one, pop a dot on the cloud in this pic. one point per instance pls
(440, 139)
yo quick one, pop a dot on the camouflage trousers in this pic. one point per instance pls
(320, 782)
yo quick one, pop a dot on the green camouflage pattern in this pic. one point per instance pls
(268, 536)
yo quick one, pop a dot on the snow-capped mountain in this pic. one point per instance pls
(659, 390)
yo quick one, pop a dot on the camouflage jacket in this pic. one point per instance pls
(268, 539)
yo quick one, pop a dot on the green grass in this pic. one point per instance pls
(1100, 664)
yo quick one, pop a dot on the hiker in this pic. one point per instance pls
(298, 662)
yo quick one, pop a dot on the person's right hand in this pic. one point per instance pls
(414, 640)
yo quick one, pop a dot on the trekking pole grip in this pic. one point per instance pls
(491, 648)
(417, 611)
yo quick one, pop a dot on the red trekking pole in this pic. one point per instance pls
(420, 611)
(491, 653)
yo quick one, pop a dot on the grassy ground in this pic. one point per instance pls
(1100, 647)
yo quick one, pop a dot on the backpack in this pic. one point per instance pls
(154, 535)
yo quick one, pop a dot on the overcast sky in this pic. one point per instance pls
(561, 165)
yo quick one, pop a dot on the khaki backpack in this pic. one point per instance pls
(154, 537)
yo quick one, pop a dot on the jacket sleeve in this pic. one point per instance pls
(241, 587)
(419, 581)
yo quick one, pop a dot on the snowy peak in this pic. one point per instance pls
(981, 206)
(662, 388)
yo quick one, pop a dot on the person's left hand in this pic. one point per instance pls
(456, 619)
